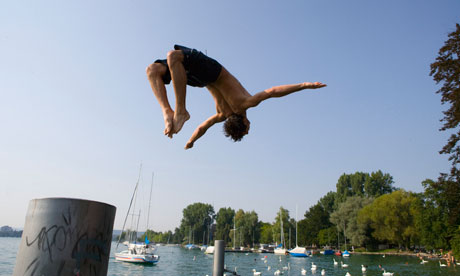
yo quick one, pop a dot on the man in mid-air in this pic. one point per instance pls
(185, 66)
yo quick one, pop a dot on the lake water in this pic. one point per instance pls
(179, 261)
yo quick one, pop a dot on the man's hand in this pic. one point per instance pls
(189, 145)
(313, 85)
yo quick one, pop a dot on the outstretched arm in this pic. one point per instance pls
(279, 91)
(201, 129)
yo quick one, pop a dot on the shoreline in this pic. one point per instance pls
(404, 253)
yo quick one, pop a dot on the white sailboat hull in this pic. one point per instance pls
(280, 251)
(126, 256)
(209, 250)
(298, 252)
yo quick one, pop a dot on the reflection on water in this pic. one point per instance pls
(178, 261)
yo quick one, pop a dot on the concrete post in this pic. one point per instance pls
(219, 258)
(65, 236)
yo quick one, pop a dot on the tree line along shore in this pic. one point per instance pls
(365, 212)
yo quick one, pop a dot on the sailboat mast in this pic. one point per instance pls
(150, 199)
(137, 227)
(282, 232)
(234, 232)
(127, 213)
(296, 226)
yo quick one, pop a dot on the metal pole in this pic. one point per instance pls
(219, 258)
(65, 236)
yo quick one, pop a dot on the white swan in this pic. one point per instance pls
(343, 265)
(441, 264)
(348, 274)
(363, 268)
(277, 272)
(423, 261)
(387, 273)
(303, 271)
(323, 272)
(256, 273)
(335, 262)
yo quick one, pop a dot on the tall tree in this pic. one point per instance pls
(266, 233)
(224, 221)
(328, 236)
(440, 209)
(392, 217)
(247, 224)
(446, 69)
(328, 202)
(196, 219)
(345, 219)
(378, 184)
(284, 215)
(316, 219)
(343, 188)
(350, 185)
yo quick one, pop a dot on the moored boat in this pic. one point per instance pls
(137, 253)
(298, 252)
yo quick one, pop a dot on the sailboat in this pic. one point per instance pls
(190, 244)
(280, 250)
(141, 253)
(297, 251)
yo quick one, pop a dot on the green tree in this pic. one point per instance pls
(327, 236)
(266, 233)
(350, 185)
(328, 202)
(247, 225)
(439, 212)
(446, 69)
(224, 220)
(345, 219)
(392, 217)
(196, 219)
(378, 184)
(316, 219)
(284, 215)
(178, 236)
(455, 242)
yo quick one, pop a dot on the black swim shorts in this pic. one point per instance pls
(201, 70)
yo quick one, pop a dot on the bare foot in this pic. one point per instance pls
(169, 118)
(179, 120)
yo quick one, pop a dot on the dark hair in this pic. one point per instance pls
(235, 127)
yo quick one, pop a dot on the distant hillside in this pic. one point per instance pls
(7, 231)
(117, 233)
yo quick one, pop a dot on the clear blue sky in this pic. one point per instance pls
(78, 116)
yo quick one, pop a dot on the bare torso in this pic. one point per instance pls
(228, 93)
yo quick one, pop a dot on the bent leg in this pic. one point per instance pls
(155, 73)
(179, 79)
